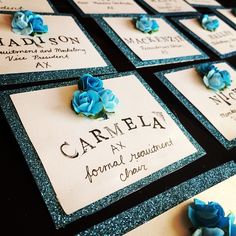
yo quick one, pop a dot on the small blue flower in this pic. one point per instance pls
(209, 215)
(146, 25)
(209, 23)
(209, 232)
(87, 103)
(28, 23)
(88, 82)
(109, 100)
(213, 78)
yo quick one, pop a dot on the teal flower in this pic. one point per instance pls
(209, 23)
(109, 100)
(87, 103)
(214, 78)
(28, 23)
(88, 82)
(209, 232)
(146, 25)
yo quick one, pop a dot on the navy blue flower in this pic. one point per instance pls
(89, 82)
(208, 23)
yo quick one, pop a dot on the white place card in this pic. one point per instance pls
(62, 48)
(108, 7)
(81, 155)
(222, 41)
(170, 6)
(19, 5)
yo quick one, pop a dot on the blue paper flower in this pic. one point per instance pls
(214, 78)
(209, 23)
(209, 232)
(92, 100)
(109, 100)
(146, 25)
(28, 23)
(88, 82)
(87, 103)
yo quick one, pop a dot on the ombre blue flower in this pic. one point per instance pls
(214, 78)
(89, 82)
(28, 23)
(209, 23)
(109, 100)
(87, 103)
(146, 25)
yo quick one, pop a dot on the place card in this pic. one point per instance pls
(215, 110)
(118, 154)
(167, 45)
(108, 7)
(204, 3)
(222, 41)
(63, 52)
(169, 6)
(227, 16)
(19, 5)
(161, 215)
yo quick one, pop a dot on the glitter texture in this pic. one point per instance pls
(137, 62)
(153, 207)
(177, 20)
(58, 215)
(18, 78)
(161, 75)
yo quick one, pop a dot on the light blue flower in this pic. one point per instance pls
(28, 23)
(87, 103)
(209, 232)
(232, 226)
(146, 25)
(109, 100)
(209, 215)
(209, 23)
(214, 78)
(88, 82)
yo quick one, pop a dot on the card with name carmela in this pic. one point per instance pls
(20, 5)
(209, 92)
(149, 40)
(169, 6)
(107, 153)
(169, 210)
(108, 7)
(61, 52)
(204, 3)
(221, 38)
(228, 14)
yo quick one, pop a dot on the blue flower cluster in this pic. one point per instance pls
(146, 25)
(28, 23)
(210, 220)
(214, 78)
(209, 23)
(92, 100)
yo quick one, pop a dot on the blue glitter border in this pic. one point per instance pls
(83, 14)
(26, 77)
(177, 21)
(140, 214)
(50, 4)
(224, 18)
(208, 125)
(137, 62)
(58, 215)
(154, 11)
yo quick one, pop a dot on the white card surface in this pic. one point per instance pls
(109, 7)
(228, 14)
(36, 6)
(61, 48)
(144, 140)
(166, 6)
(175, 222)
(223, 40)
(163, 44)
(204, 2)
(218, 107)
